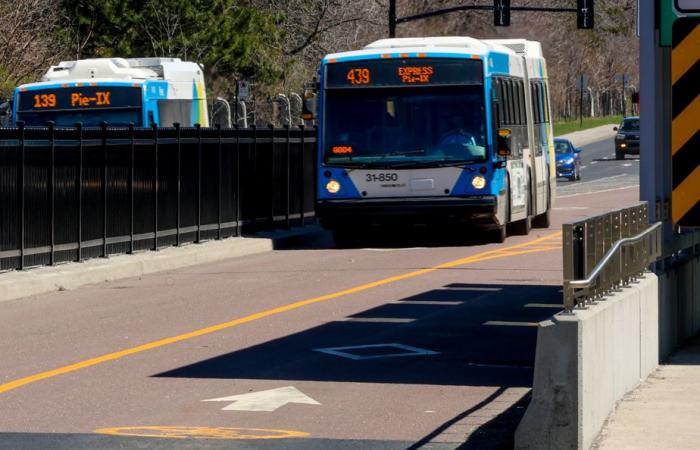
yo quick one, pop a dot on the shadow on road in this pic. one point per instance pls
(482, 335)
(394, 238)
(615, 160)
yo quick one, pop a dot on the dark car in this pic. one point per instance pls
(568, 159)
(627, 139)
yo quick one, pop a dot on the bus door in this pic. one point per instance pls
(540, 117)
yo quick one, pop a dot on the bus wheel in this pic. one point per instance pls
(498, 235)
(543, 220)
(521, 227)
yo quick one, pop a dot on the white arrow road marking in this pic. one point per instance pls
(269, 400)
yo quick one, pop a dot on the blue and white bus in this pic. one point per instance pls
(436, 130)
(139, 91)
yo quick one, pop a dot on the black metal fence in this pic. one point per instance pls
(67, 194)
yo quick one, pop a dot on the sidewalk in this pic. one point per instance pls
(662, 413)
(40, 280)
(591, 135)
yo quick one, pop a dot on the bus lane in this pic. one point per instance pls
(417, 345)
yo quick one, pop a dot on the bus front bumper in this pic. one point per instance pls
(477, 210)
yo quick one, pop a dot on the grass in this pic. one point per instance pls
(561, 128)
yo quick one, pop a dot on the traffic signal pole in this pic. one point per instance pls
(392, 18)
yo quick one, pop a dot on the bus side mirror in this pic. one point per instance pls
(504, 142)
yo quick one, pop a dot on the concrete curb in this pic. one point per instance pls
(590, 136)
(14, 285)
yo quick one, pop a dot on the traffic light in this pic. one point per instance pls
(501, 13)
(586, 14)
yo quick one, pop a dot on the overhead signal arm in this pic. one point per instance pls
(501, 13)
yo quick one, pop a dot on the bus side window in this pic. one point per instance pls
(521, 99)
(511, 104)
(536, 101)
(500, 105)
(516, 106)
(175, 111)
(504, 102)
(546, 102)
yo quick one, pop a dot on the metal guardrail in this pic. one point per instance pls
(605, 252)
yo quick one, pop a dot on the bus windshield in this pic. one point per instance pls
(89, 105)
(401, 127)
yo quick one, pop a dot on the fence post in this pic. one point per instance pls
(239, 221)
(103, 127)
(199, 183)
(271, 127)
(20, 185)
(254, 177)
(287, 224)
(179, 184)
(132, 165)
(52, 188)
(301, 186)
(79, 190)
(219, 182)
(155, 187)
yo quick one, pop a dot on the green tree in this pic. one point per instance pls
(230, 39)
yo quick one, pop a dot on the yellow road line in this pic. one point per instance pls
(515, 250)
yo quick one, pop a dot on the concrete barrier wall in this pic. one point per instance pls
(587, 361)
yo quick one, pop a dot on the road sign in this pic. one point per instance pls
(269, 400)
(672, 10)
(685, 125)
(688, 5)
(242, 90)
(582, 82)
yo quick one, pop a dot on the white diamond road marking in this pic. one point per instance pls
(407, 351)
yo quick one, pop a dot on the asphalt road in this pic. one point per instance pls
(601, 171)
(415, 343)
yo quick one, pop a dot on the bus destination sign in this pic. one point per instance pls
(404, 72)
(87, 97)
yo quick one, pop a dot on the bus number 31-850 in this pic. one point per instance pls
(381, 177)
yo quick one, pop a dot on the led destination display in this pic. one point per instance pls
(79, 98)
(404, 72)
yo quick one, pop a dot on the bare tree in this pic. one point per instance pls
(28, 44)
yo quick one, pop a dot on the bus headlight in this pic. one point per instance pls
(333, 187)
(479, 182)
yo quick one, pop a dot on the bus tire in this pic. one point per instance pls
(543, 220)
(521, 227)
(498, 235)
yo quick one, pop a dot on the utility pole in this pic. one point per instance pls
(624, 103)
